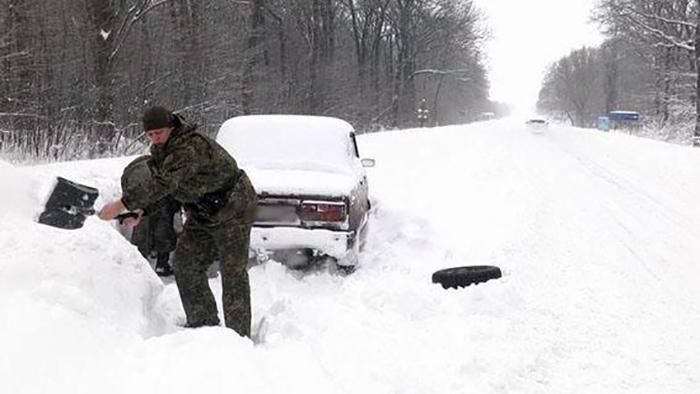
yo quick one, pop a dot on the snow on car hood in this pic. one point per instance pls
(300, 182)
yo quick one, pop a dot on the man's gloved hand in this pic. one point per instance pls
(132, 221)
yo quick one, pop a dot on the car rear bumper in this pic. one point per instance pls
(327, 242)
(537, 125)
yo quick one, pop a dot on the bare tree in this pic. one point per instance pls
(572, 86)
(670, 30)
(76, 74)
(255, 54)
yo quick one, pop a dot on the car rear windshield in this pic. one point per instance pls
(276, 144)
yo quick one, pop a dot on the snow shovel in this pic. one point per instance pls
(70, 203)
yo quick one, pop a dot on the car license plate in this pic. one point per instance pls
(277, 214)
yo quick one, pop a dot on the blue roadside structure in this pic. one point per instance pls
(603, 123)
(624, 119)
(624, 115)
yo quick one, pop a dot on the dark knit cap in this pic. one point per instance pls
(157, 117)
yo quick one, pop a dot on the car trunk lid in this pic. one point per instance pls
(276, 182)
(302, 198)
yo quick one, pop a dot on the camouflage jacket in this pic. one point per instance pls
(186, 168)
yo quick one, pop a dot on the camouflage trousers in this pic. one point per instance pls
(198, 247)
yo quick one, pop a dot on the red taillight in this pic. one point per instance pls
(317, 211)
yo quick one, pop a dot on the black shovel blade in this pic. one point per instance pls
(62, 219)
(69, 204)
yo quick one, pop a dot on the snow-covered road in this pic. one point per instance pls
(597, 237)
(596, 234)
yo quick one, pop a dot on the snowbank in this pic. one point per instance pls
(64, 294)
(83, 312)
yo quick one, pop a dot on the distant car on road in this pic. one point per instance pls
(313, 197)
(486, 116)
(537, 123)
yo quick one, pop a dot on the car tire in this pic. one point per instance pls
(348, 263)
(345, 270)
(294, 258)
(464, 276)
(351, 259)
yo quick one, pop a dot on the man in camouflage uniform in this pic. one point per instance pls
(219, 203)
(155, 233)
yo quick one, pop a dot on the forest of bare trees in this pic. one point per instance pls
(648, 63)
(76, 74)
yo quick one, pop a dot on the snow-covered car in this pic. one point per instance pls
(537, 123)
(313, 199)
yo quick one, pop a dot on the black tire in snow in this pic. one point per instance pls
(465, 276)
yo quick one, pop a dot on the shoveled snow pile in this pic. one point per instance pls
(64, 293)
(83, 312)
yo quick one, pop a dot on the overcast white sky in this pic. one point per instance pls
(529, 35)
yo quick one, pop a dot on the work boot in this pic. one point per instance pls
(162, 265)
(211, 322)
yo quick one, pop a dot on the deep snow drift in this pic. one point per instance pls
(596, 235)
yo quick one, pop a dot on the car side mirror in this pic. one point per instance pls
(367, 162)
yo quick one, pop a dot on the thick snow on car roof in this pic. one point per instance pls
(298, 142)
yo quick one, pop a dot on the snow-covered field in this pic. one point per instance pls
(597, 236)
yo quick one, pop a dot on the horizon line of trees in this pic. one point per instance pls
(648, 63)
(77, 74)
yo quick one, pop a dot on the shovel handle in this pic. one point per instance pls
(126, 215)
